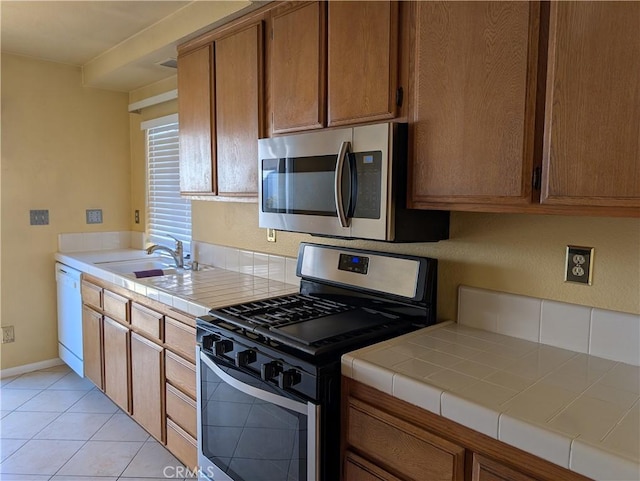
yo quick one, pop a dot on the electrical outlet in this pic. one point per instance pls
(8, 335)
(39, 217)
(271, 235)
(579, 265)
(136, 215)
(94, 216)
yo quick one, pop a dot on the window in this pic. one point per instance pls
(168, 214)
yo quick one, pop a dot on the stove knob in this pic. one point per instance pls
(222, 346)
(244, 358)
(288, 378)
(270, 370)
(209, 340)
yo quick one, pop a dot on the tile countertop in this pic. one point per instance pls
(579, 411)
(193, 292)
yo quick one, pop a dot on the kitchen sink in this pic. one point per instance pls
(129, 267)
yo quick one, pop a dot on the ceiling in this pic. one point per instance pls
(118, 44)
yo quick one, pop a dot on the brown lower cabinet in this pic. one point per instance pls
(147, 385)
(116, 363)
(144, 361)
(387, 439)
(92, 344)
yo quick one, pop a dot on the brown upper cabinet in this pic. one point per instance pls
(195, 104)
(362, 61)
(333, 68)
(298, 55)
(238, 90)
(472, 102)
(592, 119)
(526, 107)
(220, 105)
(512, 106)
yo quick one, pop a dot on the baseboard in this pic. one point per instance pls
(16, 371)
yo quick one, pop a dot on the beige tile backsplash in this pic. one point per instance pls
(268, 266)
(607, 334)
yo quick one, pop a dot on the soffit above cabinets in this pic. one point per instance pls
(118, 44)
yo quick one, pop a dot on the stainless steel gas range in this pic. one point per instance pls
(268, 371)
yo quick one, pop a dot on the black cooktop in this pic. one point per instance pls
(339, 307)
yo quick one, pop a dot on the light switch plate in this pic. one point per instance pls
(579, 265)
(39, 217)
(94, 216)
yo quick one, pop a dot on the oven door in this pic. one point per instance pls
(248, 431)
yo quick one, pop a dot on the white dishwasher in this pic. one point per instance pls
(70, 317)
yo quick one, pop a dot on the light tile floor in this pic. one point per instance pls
(56, 426)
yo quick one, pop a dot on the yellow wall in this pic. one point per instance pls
(138, 149)
(64, 148)
(522, 254)
(69, 148)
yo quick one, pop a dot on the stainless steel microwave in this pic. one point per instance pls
(348, 182)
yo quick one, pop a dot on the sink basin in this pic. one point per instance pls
(128, 268)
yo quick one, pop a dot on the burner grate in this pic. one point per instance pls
(286, 310)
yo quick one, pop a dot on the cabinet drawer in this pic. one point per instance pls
(181, 373)
(115, 306)
(415, 453)
(181, 444)
(91, 294)
(180, 338)
(182, 410)
(359, 469)
(147, 320)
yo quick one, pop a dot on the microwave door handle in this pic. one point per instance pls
(342, 215)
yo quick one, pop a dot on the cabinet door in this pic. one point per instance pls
(92, 345)
(363, 61)
(147, 385)
(116, 363)
(474, 74)
(592, 125)
(195, 107)
(485, 469)
(297, 73)
(238, 79)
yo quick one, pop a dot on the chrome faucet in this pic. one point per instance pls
(177, 254)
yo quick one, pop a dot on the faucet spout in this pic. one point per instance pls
(177, 254)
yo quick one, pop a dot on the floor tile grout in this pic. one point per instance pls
(38, 388)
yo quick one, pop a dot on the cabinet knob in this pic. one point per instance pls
(244, 358)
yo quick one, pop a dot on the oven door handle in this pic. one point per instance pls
(281, 401)
(342, 155)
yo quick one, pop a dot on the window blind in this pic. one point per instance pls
(168, 213)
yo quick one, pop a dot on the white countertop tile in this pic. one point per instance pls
(535, 439)
(624, 437)
(417, 393)
(470, 414)
(597, 463)
(560, 405)
(193, 292)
